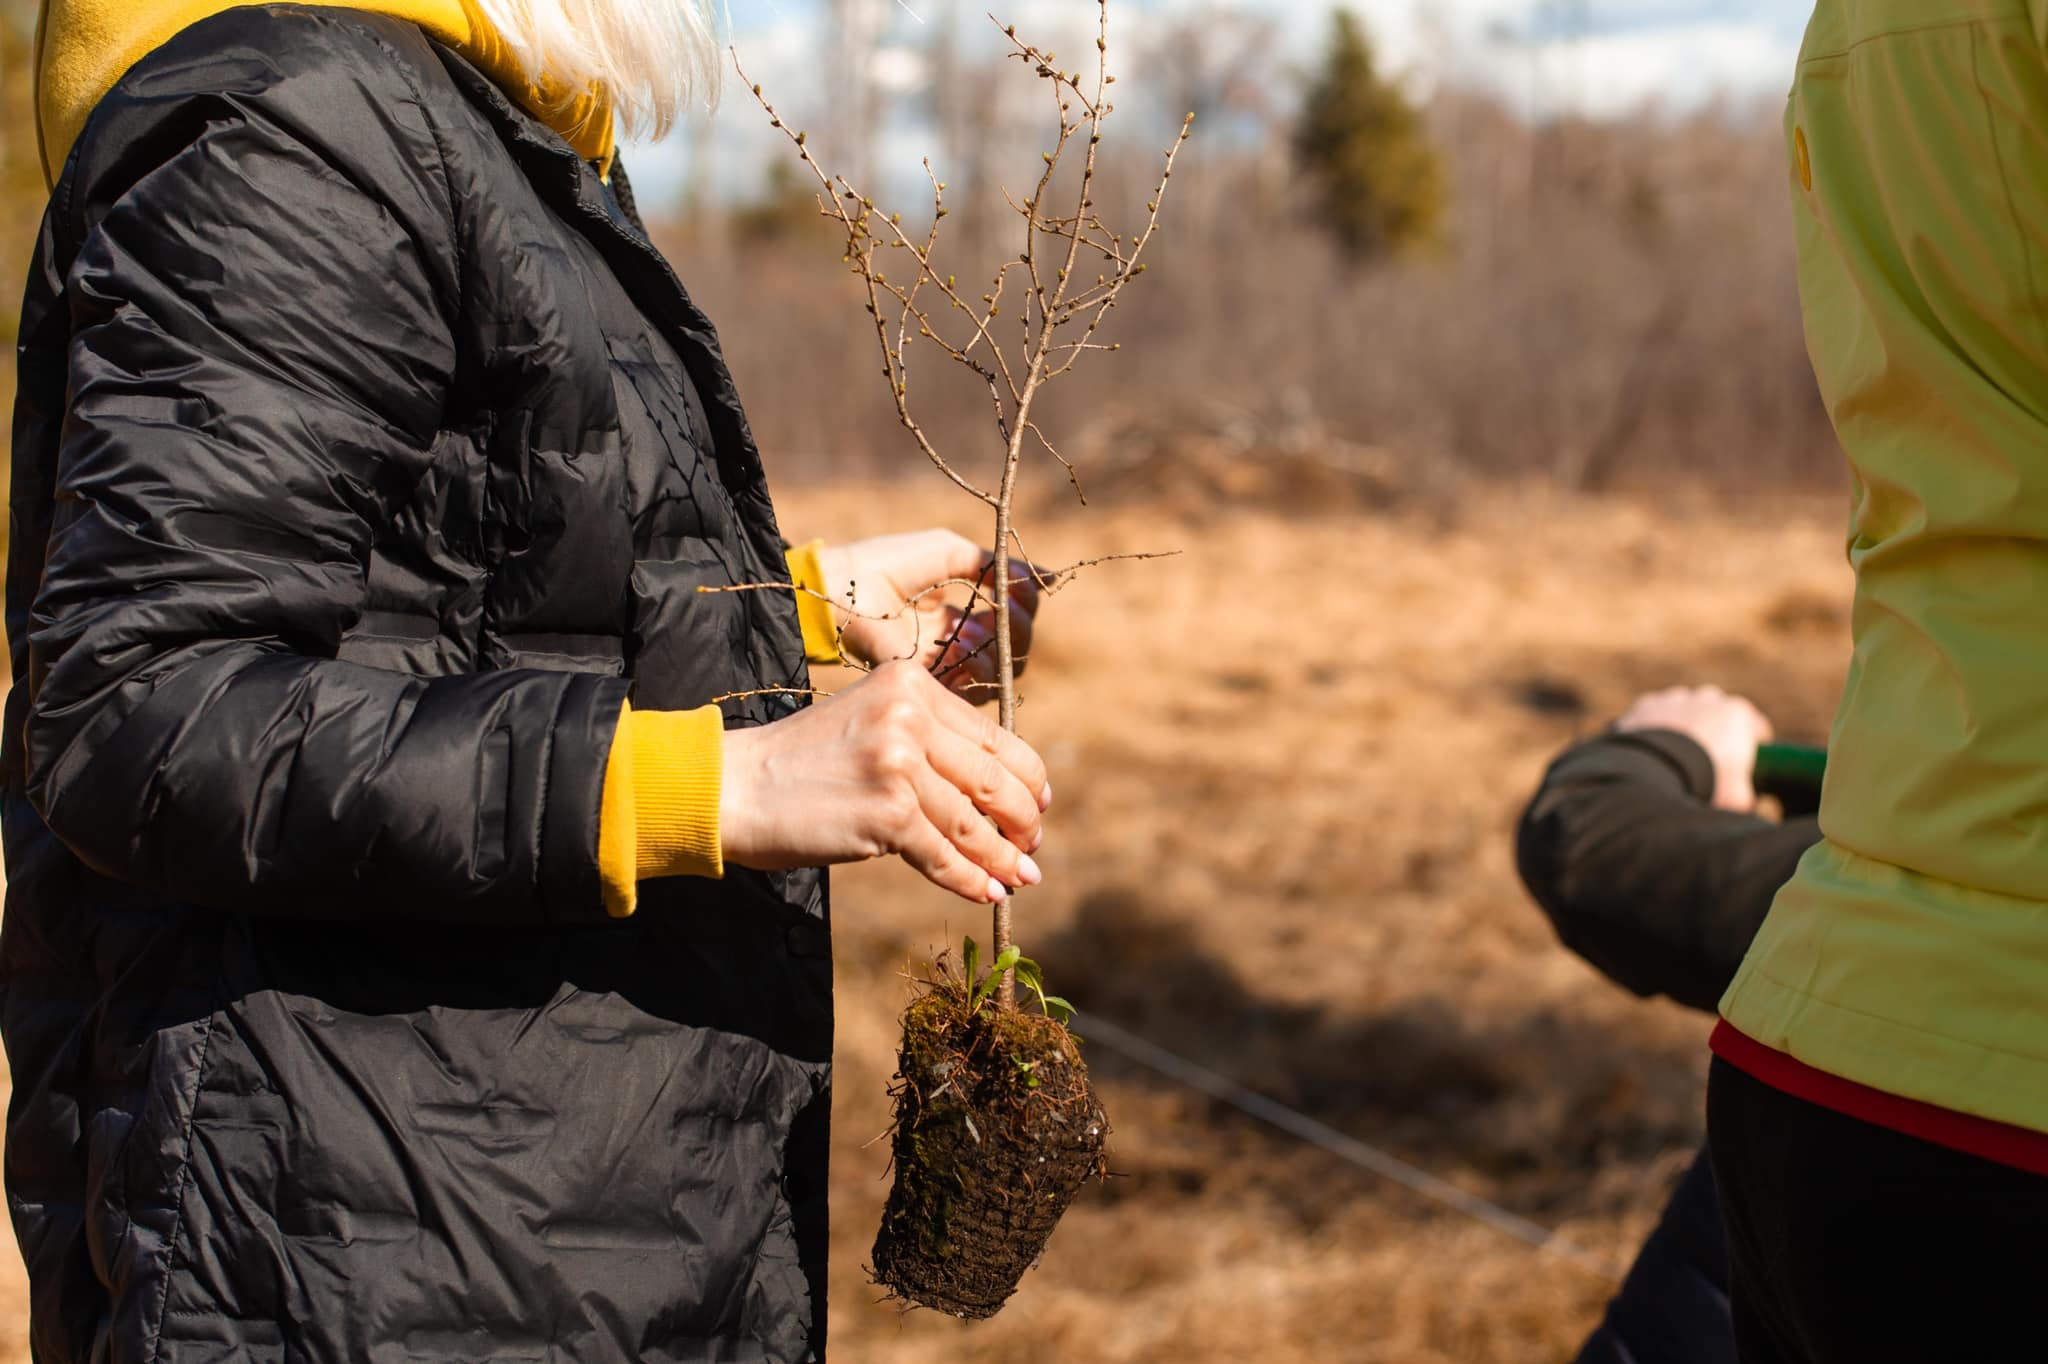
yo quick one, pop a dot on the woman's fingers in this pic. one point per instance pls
(981, 730)
(969, 663)
(1025, 587)
(938, 861)
(1765, 732)
(1024, 594)
(949, 810)
(895, 764)
(1020, 636)
(937, 858)
(952, 555)
(995, 791)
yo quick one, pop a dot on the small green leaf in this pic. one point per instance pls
(973, 960)
(1052, 1002)
(981, 992)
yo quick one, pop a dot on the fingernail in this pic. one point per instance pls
(1045, 797)
(1037, 842)
(1028, 869)
(997, 891)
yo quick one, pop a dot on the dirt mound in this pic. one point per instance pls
(1207, 458)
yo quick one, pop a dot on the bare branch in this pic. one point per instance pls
(770, 691)
(1056, 297)
(1060, 577)
(1065, 463)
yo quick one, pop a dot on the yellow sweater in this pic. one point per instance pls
(84, 47)
(661, 787)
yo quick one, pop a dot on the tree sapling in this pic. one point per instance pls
(996, 1124)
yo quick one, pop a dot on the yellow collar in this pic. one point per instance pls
(84, 47)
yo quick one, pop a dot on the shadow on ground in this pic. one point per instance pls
(1529, 1105)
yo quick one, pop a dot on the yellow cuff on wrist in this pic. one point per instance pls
(813, 612)
(661, 791)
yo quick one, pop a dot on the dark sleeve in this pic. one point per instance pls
(261, 355)
(1641, 875)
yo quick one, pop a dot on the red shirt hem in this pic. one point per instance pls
(2020, 1147)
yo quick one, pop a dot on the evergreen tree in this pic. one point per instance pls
(786, 210)
(1379, 184)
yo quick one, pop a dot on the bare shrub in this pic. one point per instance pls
(1614, 306)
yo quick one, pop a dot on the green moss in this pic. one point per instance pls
(961, 1066)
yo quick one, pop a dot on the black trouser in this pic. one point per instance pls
(1673, 1308)
(1849, 1243)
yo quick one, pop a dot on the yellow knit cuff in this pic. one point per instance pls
(821, 631)
(661, 790)
(617, 859)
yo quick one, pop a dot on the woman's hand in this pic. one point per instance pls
(1728, 727)
(875, 586)
(894, 764)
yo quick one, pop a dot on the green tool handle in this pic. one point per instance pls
(1790, 770)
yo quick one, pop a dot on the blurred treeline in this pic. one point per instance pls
(1594, 303)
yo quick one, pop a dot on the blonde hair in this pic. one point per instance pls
(651, 57)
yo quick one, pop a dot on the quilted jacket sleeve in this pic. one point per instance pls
(263, 302)
(1641, 875)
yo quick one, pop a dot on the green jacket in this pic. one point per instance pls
(1910, 952)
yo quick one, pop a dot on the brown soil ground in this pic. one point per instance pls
(1287, 768)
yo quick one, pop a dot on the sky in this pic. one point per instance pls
(1599, 57)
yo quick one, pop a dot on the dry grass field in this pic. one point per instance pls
(1288, 765)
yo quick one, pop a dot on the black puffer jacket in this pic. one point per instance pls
(366, 458)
